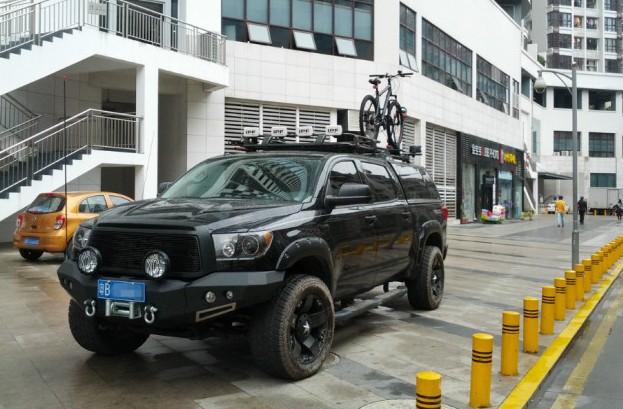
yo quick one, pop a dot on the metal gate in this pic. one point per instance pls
(441, 164)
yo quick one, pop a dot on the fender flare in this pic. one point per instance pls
(307, 247)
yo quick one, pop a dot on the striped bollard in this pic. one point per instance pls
(596, 268)
(510, 343)
(482, 361)
(588, 273)
(548, 303)
(561, 299)
(530, 324)
(428, 390)
(570, 281)
(603, 268)
(579, 282)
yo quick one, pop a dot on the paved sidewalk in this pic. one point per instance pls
(375, 357)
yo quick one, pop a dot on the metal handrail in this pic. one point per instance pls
(31, 24)
(80, 134)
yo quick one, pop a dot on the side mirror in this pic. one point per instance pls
(350, 194)
(163, 186)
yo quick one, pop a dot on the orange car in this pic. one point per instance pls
(47, 225)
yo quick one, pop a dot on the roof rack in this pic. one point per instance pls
(253, 141)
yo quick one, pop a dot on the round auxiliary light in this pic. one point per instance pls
(229, 295)
(210, 297)
(157, 264)
(89, 260)
(229, 249)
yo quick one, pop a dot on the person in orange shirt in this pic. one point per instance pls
(560, 211)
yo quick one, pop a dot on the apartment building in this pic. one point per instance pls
(128, 94)
(586, 33)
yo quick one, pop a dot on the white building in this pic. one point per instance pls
(186, 94)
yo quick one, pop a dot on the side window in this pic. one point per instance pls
(383, 186)
(117, 200)
(94, 204)
(413, 182)
(342, 172)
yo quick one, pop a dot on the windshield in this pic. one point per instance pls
(252, 178)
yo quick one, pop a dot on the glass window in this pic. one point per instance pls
(233, 9)
(613, 66)
(577, 43)
(93, 204)
(603, 179)
(363, 21)
(610, 45)
(342, 172)
(601, 100)
(257, 10)
(323, 16)
(345, 46)
(47, 203)
(304, 40)
(591, 43)
(383, 186)
(591, 23)
(610, 24)
(563, 141)
(301, 14)
(259, 33)
(600, 145)
(562, 98)
(493, 85)
(407, 35)
(279, 12)
(343, 18)
(117, 200)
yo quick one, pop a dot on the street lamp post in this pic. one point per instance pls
(540, 86)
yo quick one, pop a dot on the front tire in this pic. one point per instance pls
(367, 117)
(97, 337)
(292, 335)
(426, 291)
(29, 254)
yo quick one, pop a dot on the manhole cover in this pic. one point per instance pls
(331, 359)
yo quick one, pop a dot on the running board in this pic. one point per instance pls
(362, 306)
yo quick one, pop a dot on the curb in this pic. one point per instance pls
(538, 373)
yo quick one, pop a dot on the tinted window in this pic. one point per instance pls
(413, 182)
(343, 172)
(94, 204)
(47, 204)
(383, 186)
(118, 200)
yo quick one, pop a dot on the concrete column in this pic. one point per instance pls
(206, 124)
(146, 176)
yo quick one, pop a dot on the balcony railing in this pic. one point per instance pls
(31, 24)
(80, 134)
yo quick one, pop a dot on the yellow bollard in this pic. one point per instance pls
(579, 282)
(482, 360)
(428, 390)
(561, 299)
(605, 258)
(530, 324)
(588, 273)
(510, 343)
(570, 281)
(595, 271)
(548, 301)
(602, 266)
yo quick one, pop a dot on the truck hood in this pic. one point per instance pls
(213, 214)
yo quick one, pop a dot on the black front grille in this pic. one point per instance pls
(125, 251)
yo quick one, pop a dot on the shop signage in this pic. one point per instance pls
(496, 154)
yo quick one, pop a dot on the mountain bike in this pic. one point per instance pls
(387, 116)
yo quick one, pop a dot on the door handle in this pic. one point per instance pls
(371, 219)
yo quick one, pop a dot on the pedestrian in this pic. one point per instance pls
(582, 208)
(560, 211)
(618, 209)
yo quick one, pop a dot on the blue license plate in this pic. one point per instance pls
(121, 290)
(31, 241)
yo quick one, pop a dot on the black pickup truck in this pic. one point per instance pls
(277, 242)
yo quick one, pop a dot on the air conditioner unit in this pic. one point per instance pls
(556, 153)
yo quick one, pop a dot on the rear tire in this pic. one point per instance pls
(426, 291)
(102, 339)
(29, 254)
(393, 124)
(291, 336)
(367, 114)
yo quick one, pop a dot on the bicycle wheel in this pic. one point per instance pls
(394, 124)
(367, 113)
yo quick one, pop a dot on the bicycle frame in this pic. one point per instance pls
(381, 111)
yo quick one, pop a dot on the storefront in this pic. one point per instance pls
(489, 174)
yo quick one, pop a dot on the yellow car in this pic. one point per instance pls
(48, 224)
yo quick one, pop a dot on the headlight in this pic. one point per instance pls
(241, 246)
(81, 237)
